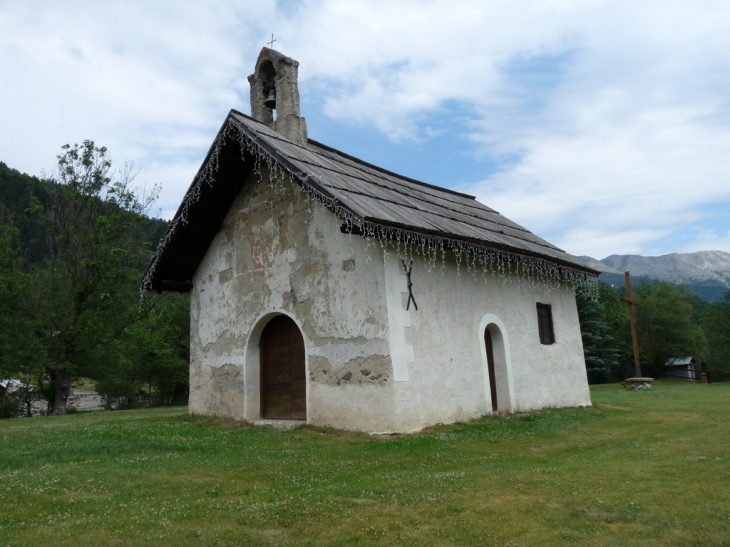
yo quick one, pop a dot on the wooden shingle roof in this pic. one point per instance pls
(364, 193)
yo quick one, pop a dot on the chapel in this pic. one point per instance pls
(330, 291)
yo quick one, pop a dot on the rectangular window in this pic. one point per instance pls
(545, 323)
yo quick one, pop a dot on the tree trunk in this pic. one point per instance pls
(62, 389)
(28, 401)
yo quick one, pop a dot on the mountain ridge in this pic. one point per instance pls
(706, 272)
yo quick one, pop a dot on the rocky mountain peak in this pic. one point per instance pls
(702, 268)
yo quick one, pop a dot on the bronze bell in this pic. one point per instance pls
(270, 101)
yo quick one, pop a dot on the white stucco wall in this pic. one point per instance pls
(447, 378)
(371, 364)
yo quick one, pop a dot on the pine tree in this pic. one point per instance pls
(599, 346)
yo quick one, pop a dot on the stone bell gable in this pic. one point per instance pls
(275, 90)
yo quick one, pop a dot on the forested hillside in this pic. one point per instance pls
(18, 192)
(73, 249)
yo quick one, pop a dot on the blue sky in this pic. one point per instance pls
(603, 127)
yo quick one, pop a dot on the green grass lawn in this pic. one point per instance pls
(640, 468)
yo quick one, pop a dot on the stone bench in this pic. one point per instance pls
(638, 383)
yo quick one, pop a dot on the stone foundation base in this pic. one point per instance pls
(280, 424)
(638, 383)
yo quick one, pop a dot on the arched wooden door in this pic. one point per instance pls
(283, 381)
(490, 368)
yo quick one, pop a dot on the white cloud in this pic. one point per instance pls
(618, 142)
(152, 82)
(641, 146)
(611, 119)
(383, 63)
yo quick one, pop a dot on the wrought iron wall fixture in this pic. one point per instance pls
(408, 269)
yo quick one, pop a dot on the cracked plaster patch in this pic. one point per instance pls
(371, 370)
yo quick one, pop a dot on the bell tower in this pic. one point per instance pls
(274, 87)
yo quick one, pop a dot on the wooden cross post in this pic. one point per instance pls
(629, 299)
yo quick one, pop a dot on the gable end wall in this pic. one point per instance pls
(277, 253)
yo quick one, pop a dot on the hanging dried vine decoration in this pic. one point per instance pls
(492, 264)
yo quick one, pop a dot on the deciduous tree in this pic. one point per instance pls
(715, 323)
(95, 252)
(21, 354)
(153, 358)
(667, 325)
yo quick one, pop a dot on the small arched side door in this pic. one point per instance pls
(490, 369)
